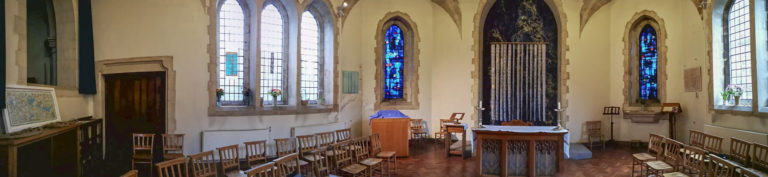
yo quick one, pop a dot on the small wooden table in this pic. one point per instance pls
(451, 128)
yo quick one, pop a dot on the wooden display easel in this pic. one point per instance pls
(671, 109)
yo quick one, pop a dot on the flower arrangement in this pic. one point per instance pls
(736, 91)
(275, 92)
(219, 92)
(725, 95)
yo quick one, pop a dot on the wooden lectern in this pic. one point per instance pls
(393, 133)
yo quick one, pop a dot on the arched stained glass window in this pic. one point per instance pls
(739, 64)
(272, 53)
(394, 56)
(231, 35)
(648, 64)
(310, 63)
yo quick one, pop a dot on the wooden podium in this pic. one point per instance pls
(394, 134)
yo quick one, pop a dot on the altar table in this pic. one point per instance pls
(520, 150)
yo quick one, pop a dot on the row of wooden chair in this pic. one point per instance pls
(202, 165)
(710, 143)
(143, 145)
(667, 157)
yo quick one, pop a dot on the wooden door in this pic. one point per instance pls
(134, 103)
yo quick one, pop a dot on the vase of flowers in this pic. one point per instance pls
(736, 91)
(275, 93)
(219, 93)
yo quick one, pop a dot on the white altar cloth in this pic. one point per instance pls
(526, 129)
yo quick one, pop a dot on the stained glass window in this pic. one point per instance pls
(231, 41)
(739, 45)
(310, 72)
(648, 64)
(272, 52)
(394, 63)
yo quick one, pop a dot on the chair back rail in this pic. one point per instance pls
(759, 156)
(694, 159)
(416, 124)
(713, 144)
(375, 144)
(343, 135)
(720, 167)
(594, 128)
(745, 172)
(229, 157)
(255, 151)
(172, 168)
(173, 143)
(307, 143)
(672, 153)
(344, 157)
(202, 164)
(740, 151)
(132, 173)
(361, 152)
(285, 146)
(143, 141)
(325, 138)
(288, 164)
(263, 170)
(655, 144)
(696, 138)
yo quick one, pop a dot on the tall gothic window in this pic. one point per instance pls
(738, 70)
(231, 54)
(272, 53)
(394, 56)
(648, 64)
(310, 58)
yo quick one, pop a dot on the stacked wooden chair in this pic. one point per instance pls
(344, 164)
(669, 162)
(263, 170)
(142, 149)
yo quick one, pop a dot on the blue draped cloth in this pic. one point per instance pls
(388, 114)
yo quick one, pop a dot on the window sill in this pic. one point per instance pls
(223, 111)
(763, 110)
(733, 108)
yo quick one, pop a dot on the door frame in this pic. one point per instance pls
(134, 65)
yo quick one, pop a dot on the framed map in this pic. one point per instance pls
(28, 107)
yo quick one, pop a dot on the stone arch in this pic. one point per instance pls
(631, 31)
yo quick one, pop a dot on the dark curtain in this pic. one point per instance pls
(87, 68)
(2, 53)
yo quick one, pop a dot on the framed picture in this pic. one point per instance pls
(28, 107)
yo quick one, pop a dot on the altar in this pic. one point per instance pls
(520, 150)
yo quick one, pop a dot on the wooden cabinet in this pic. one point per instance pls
(394, 134)
(60, 151)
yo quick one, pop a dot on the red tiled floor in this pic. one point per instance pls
(429, 160)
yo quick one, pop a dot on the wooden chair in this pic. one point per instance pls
(516, 123)
(202, 165)
(132, 173)
(389, 156)
(654, 150)
(417, 129)
(693, 160)
(696, 139)
(172, 168)
(457, 117)
(320, 167)
(343, 135)
(344, 164)
(759, 159)
(285, 146)
(363, 156)
(746, 172)
(670, 160)
(142, 149)
(713, 144)
(740, 151)
(308, 145)
(288, 165)
(595, 132)
(718, 167)
(325, 140)
(440, 136)
(255, 152)
(229, 159)
(173, 146)
(263, 170)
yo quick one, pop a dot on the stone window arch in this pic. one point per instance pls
(636, 80)
(390, 77)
